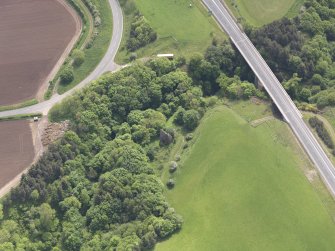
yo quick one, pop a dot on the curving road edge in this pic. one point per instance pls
(106, 64)
(288, 109)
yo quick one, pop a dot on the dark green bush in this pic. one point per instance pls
(66, 75)
(321, 131)
(78, 57)
(141, 34)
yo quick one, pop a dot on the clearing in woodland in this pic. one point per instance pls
(243, 188)
(181, 29)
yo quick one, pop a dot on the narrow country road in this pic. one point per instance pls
(106, 64)
(288, 109)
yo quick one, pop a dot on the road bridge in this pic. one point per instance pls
(276, 91)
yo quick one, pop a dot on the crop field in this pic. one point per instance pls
(260, 12)
(34, 35)
(243, 188)
(16, 149)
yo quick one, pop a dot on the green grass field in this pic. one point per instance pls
(242, 188)
(260, 12)
(181, 30)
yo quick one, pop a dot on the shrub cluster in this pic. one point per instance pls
(324, 98)
(78, 57)
(217, 72)
(321, 131)
(141, 34)
(97, 21)
(66, 75)
(189, 119)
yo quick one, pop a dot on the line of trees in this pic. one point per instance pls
(322, 132)
(141, 33)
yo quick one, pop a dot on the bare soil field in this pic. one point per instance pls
(16, 149)
(33, 37)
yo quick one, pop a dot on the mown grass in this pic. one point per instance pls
(181, 29)
(242, 188)
(94, 54)
(250, 109)
(260, 12)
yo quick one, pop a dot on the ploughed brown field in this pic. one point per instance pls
(33, 36)
(16, 149)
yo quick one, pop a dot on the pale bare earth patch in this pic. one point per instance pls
(53, 131)
(311, 175)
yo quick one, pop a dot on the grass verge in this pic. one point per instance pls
(328, 120)
(181, 29)
(21, 116)
(20, 105)
(244, 188)
(100, 45)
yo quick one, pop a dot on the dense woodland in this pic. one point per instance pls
(97, 188)
(301, 52)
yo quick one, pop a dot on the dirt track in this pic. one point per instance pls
(33, 37)
(16, 149)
